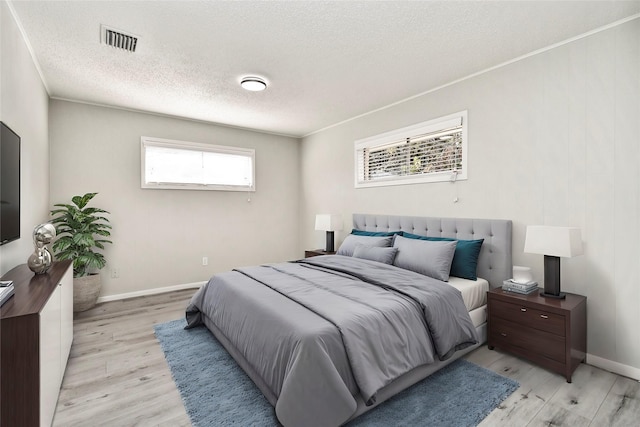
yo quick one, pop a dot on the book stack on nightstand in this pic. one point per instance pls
(6, 290)
(520, 288)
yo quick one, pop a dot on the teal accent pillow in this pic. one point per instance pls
(375, 233)
(465, 258)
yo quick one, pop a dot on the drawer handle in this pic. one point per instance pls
(503, 334)
(544, 316)
(523, 309)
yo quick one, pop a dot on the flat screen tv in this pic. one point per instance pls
(9, 185)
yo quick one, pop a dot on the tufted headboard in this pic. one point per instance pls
(494, 262)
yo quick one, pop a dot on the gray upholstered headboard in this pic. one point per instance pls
(494, 262)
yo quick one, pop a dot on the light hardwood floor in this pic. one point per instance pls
(117, 376)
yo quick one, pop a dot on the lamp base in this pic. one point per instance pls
(552, 278)
(329, 245)
(561, 295)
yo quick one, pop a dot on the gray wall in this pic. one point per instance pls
(23, 107)
(160, 236)
(553, 139)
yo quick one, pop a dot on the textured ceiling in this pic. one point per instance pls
(325, 61)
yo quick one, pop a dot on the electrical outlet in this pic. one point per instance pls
(115, 273)
(205, 260)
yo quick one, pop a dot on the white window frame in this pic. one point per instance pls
(431, 126)
(147, 141)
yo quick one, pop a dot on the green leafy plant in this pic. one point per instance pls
(80, 230)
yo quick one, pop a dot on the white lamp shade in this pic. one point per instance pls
(554, 241)
(328, 222)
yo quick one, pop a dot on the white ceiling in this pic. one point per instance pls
(325, 61)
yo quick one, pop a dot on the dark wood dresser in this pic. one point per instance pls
(36, 332)
(549, 332)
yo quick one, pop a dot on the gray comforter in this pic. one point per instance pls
(319, 331)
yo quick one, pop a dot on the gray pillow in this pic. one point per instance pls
(428, 257)
(351, 241)
(375, 253)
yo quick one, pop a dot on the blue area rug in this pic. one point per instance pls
(217, 392)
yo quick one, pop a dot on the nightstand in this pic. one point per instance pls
(549, 332)
(316, 252)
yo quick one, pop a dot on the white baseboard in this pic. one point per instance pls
(153, 291)
(615, 367)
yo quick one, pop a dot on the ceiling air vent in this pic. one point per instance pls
(119, 39)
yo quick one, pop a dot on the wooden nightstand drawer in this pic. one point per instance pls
(549, 332)
(506, 334)
(527, 316)
(317, 252)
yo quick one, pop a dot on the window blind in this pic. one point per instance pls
(187, 165)
(431, 151)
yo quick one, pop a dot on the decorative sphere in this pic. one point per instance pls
(44, 233)
(39, 261)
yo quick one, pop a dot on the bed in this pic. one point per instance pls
(328, 338)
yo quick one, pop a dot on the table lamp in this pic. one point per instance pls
(553, 243)
(329, 223)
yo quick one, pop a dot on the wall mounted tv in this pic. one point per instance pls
(9, 185)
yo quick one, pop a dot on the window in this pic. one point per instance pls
(184, 165)
(426, 152)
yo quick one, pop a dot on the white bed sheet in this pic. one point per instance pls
(474, 292)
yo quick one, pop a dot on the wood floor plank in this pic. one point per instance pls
(482, 356)
(81, 385)
(129, 393)
(556, 416)
(621, 407)
(539, 382)
(117, 376)
(537, 386)
(588, 389)
(155, 412)
(133, 304)
(84, 369)
(181, 420)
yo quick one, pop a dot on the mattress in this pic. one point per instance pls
(478, 316)
(474, 292)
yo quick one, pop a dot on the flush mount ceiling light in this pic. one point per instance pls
(254, 84)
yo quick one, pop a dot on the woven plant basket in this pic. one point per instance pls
(85, 292)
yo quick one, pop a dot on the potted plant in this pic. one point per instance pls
(81, 230)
